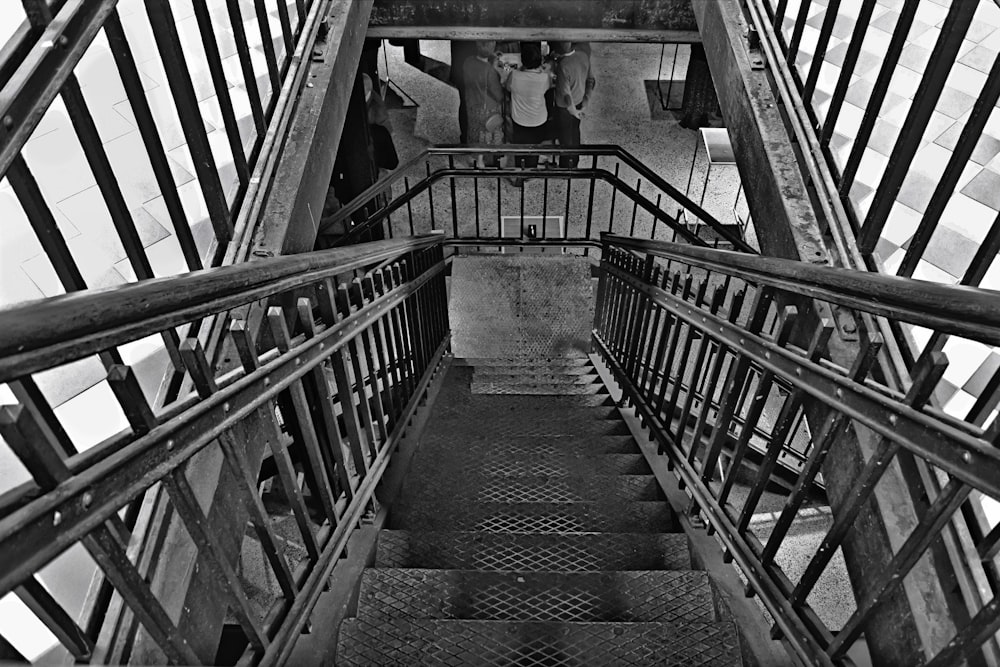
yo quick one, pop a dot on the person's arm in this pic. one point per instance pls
(588, 86)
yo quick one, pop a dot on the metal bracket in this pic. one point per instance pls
(846, 324)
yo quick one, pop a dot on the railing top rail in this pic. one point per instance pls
(970, 312)
(599, 150)
(41, 334)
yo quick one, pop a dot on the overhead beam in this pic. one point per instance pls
(583, 20)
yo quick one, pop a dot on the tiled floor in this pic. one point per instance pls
(976, 202)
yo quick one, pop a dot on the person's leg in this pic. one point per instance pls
(569, 136)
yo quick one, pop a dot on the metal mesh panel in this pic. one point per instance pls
(527, 552)
(537, 489)
(635, 517)
(440, 642)
(521, 307)
(670, 596)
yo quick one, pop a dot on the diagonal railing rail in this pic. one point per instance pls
(355, 335)
(691, 365)
(611, 191)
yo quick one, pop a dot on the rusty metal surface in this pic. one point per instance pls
(530, 552)
(449, 642)
(635, 596)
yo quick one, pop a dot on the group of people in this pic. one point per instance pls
(541, 100)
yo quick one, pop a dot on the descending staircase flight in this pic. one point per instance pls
(530, 530)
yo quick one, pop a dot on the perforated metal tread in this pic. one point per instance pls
(515, 371)
(490, 410)
(507, 362)
(530, 551)
(458, 643)
(587, 597)
(537, 489)
(459, 466)
(634, 517)
(539, 425)
(510, 446)
(547, 389)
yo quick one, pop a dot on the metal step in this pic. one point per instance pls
(634, 517)
(510, 362)
(448, 642)
(459, 466)
(555, 370)
(536, 424)
(670, 596)
(513, 446)
(547, 389)
(536, 489)
(531, 376)
(531, 552)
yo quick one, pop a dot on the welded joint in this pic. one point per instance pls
(754, 50)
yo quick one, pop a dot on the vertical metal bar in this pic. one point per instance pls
(58, 621)
(545, 203)
(879, 90)
(953, 32)
(670, 378)
(569, 188)
(373, 357)
(701, 359)
(682, 366)
(282, 461)
(406, 332)
(382, 350)
(355, 435)
(125, 61)
(669, 321)
(920, 390)
(847, 69)
(786, 326)
(614, 191)
(383, 285)
(214, 61)
(286, 28)
(926, 531)
(967, 641)
(590, 199)
(797, 30)
(267, 44)
(355, 348)
(246, 66)
(831, 430)
(779, 15)
(782, 430)
(179, 78)
(521, 189)
(825, 32)
(656, 218)
(409, 205)
(454, 206)
(653, 327)
(475, 191)
(960, 156)
(430, 196)
(301, 412)
(635, 206)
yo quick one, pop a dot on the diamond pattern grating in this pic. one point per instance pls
(530, 552)
(527, 466)
(665, 596)
(537, 489)
(635, 517)
(401, 641)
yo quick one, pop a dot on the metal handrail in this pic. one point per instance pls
(971, 312)
(363, 367)
(595, 151)
(636, 316)
(41, 334)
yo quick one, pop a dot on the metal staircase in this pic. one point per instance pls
(532, 532)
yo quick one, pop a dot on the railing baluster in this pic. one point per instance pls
(819, 55)
(675, 335)
(214, 61)
(786, 326)
(373, 284)
(179, 78)
(668, 322)
(701, 360)
(58, 621)
(854, 43)
(454, 206)
(708, 391)
(611, 209)
(267, 45)
(307, 431)
(246, 66)
(125, 61)
(286, 28)
(736, 380)
(403, 332)
(590, 201)
(394, 347)
(373, 358)
(797, 30)
(682, 367)
(360, 367)
(279, 453)
(635, 207)
(235, 457)
(921, 389)
(782, 430)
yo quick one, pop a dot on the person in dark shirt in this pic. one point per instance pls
(483, 101)
(574, 83)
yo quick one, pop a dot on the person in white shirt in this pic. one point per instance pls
(527, 87)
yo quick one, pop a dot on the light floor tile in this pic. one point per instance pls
(77, 416)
